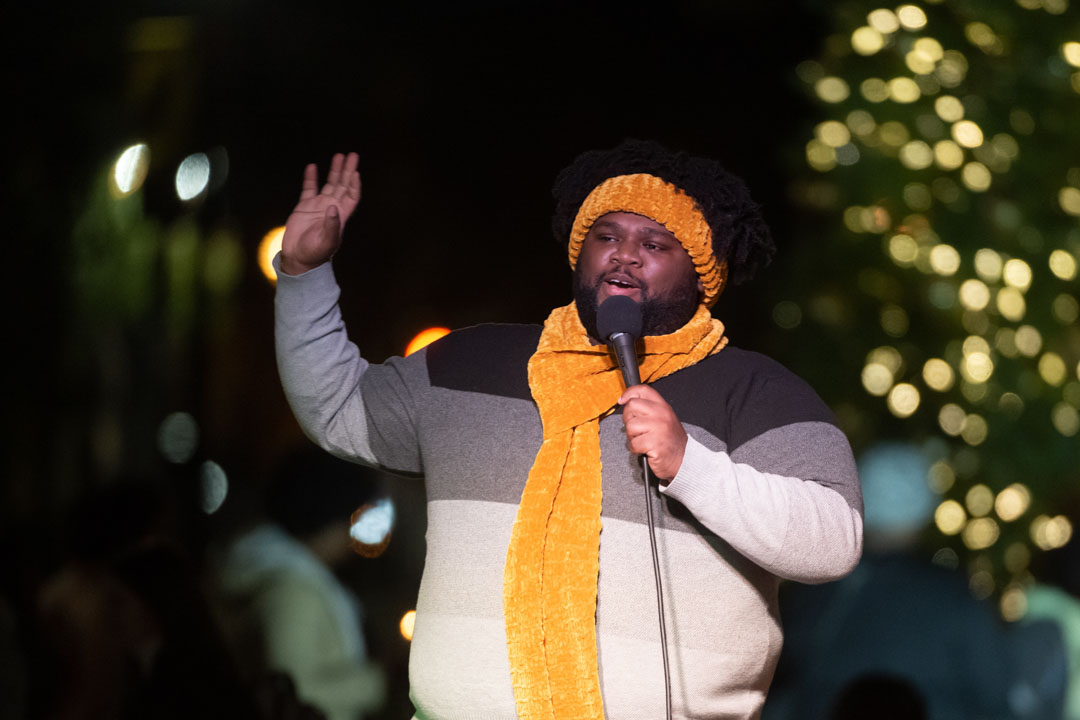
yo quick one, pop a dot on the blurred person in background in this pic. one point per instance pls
(901, 627)
(285, 609)
(126, 630)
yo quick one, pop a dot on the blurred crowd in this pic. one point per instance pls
(138, 615)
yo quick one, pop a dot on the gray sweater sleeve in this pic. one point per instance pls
(321, 370)
(798, 529)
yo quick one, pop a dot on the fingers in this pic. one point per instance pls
(641, 392)
(352, 177)
(334, 178)
(311, 182)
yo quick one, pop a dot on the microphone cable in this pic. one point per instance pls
(619, 322)
(659, 586)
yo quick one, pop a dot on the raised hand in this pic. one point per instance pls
(654, 430)
(313, 230)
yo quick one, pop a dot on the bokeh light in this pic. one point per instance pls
(967, 134)
(948, 155)
(974, 294)
(874, 89)
(975, 429)
(373, 524)
(903, 400)
(976, 177)
(1011, 304)
(1017, 557)
(408, 622)
(945, 260)
(911, 17)
(876, 378)
(268, 248)
(979, 500)
(425, 338)
(916, 155)
(904, 90)
(977, 367)
(885, 21)
(213, 486)
(951, 418)
(949, 108)
(1050, 533)
(787, 314)
(867, 40)
(833, 133)
(130, 170)
(1063, 265)
(1069, 200)
(1028, 340)
(832, 89)
(178, 437)
(1066, 309)
(940, 477)
(988, 264)
(1017, 274)
(981, 533)
(937, 375)
(1071, 52)
(903, 249)
(1052, 368)
(1065, 419)
(193, 176)
(1013, 603)
(950, 517)
(1012, 502)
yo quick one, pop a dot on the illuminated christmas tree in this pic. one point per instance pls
(936, 300)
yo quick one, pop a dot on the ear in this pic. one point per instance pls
(700, 287)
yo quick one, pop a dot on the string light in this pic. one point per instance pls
(1012, 502)
(944, 143)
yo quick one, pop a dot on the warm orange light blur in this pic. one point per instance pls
(425, 338)
(268, 248)
(408, 620)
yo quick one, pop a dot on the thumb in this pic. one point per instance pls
(630, 393)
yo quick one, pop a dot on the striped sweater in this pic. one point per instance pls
(767, 490)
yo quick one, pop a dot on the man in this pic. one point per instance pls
(527, 442)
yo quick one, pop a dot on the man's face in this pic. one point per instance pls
(628, 254)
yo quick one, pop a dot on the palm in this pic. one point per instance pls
(313, 231)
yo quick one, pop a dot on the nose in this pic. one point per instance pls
(627, 253)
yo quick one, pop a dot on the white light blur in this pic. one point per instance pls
(214, 486)
(193, 176)
(374, 524)
(178, 437)
(130, 168)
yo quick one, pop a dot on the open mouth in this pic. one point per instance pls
(622, 282)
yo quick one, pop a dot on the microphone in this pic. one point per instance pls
(618, 321)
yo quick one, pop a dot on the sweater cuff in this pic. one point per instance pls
(701, 471)
(312, 288)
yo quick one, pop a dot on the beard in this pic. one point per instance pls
(659, 315)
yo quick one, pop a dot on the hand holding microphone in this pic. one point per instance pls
(652, 427)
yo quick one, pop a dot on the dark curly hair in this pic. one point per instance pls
(740, 235)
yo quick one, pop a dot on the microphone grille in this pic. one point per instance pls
(618, 314)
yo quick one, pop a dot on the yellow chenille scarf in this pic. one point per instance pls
(552, 563)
